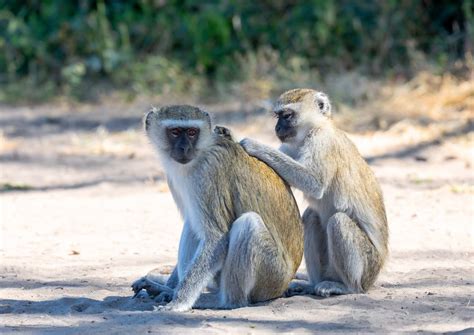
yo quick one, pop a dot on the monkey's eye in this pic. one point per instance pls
(192, 132)
(287, 116)
(175, 132)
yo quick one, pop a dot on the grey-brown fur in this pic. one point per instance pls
(240, 222)
(346, 232)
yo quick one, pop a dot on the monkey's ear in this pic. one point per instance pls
(207, 116)
(148, 117)
(323, 104)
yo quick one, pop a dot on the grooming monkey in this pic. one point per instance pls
(242, 226)
(345, 226)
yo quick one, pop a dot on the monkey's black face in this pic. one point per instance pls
(183, 143)
(286, 127)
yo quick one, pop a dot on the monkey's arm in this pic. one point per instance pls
(207, 261)
(293, 172)
(155, 284)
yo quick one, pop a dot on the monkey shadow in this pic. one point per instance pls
(125, 314)
(82, 305)
(210, 300)
(132, 316)
(207, 300)
(75, 305)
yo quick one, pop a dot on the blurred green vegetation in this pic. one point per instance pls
(78, 48)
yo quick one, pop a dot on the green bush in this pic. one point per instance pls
(147, 44)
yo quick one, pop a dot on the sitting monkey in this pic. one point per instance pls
(240, 218)
(345, 226)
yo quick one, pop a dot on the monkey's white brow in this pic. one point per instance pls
(295, 106)
(183, 123)
(284, 110)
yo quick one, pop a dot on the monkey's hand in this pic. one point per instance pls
(293, 172)
(253, 148)
(224, 132)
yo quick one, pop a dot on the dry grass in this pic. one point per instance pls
(361, 103)
(425, 99)
(461, 188)
(429, 96)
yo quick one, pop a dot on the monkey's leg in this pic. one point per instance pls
(253, 270)
(351, 256)
(188, 244)
(154, 285)
(315, 254)
(173, 280)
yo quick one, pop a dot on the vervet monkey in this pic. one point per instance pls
(345, 225)
(241, 220)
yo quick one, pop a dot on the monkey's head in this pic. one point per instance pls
(299, 110)
(179, 131)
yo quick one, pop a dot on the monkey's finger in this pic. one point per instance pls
(136, 294)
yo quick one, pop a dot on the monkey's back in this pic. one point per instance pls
(252, 186)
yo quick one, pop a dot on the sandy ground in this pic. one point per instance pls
(85, 211)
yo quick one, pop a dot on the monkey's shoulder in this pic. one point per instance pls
(243, 163)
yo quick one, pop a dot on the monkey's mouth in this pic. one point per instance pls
(183, 160)
(286, 136)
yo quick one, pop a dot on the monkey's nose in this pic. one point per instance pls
(185, 150)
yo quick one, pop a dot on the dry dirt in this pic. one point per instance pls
(85, 210)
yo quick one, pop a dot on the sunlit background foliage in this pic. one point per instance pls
(51, 47)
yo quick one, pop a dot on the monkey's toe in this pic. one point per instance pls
(298, 288)
(164, 297)
(327, 288)
(292, 292)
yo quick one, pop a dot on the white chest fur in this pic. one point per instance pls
(185, 194)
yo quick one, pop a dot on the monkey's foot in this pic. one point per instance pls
(153, 289)
(164, 297)
(299, 288)
(327, 288)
